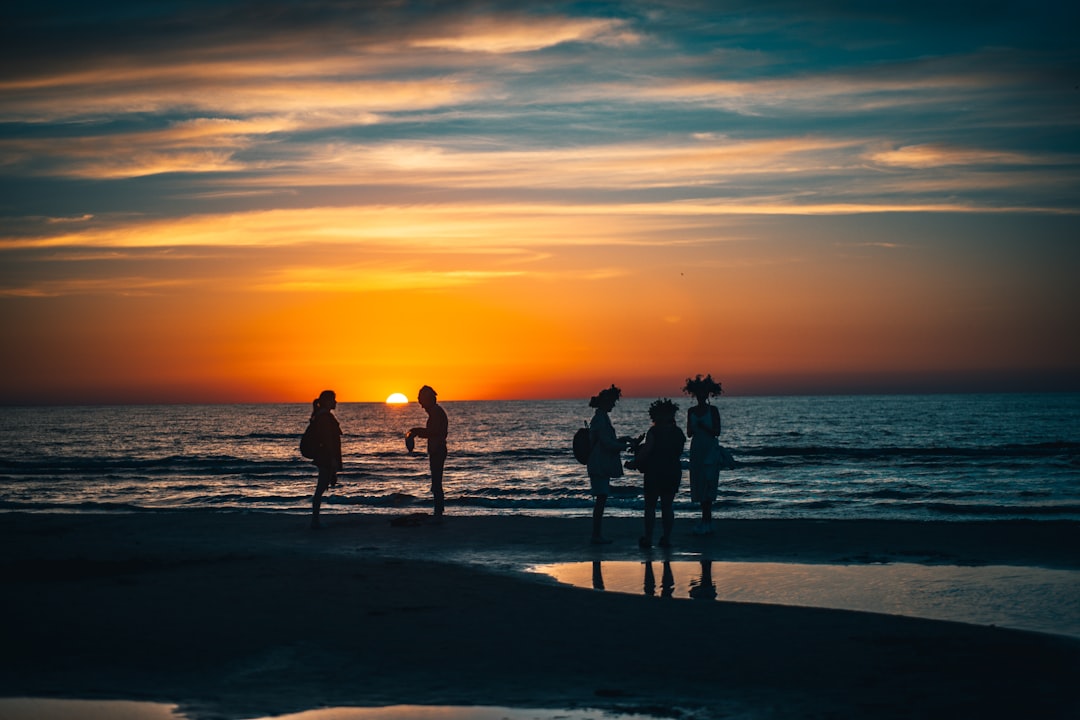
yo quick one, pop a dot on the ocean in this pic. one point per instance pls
(926, 457)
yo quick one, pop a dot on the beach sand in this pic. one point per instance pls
(251, 615)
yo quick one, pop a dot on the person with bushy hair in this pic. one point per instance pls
(659, 457)
(706, 458)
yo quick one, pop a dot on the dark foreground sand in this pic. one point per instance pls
(240, 616)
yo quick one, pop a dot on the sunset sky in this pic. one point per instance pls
(254, 201)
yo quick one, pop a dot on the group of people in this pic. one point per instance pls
(657, 454)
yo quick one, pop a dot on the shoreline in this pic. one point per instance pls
(236, 615)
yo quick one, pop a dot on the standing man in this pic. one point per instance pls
(435, 433)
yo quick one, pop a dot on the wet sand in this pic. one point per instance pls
(248, 615)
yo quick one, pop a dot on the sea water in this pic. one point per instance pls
(926, 457)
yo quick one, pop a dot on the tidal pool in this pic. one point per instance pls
(1025, 598)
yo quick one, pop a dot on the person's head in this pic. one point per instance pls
(663, 411)
(327, 400)
(426, 396)
(606, 399)
(702, 388)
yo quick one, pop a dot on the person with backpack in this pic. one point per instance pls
(604, 458)
(324, 440)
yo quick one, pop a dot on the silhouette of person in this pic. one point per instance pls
(705, 588)
(604, 461)
(435, 432)
(659, 457)
(703, 429)
(328, 456)
(667, 580)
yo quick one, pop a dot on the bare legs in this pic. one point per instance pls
(326, 479)
(597, 516)
(704, 478)
(667, 519)
(437, 462)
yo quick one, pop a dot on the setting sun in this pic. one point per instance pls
(396, 399)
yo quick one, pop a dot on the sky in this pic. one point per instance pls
(255, 201)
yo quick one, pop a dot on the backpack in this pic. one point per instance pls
(582, 445)
(309, 442)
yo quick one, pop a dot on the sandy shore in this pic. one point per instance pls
(240, 616)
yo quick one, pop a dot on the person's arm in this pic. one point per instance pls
(646, 449)
(337, 449)
(437, 427)
(605, 435)
(337, 444)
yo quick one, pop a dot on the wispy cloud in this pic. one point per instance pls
(373, 279)
(112, 285)
(934, 156)
(301, 103)
(516, 33)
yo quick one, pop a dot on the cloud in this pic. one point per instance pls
(483, 228)
(518, 33)
(611, 166)
(935, 156)
(123, 286)
(828, 93)
(373, 278)
(312, 102)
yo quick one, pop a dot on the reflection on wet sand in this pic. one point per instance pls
(1026, 598)
(667, 587)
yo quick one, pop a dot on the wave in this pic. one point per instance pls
(171, 463)
(1037, 450)
(956, 509)
(628, 504)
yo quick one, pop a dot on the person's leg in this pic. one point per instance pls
(650, 520)
(597, 515)
(697, 494)
(667, 516)
(437, 463)
(325, 477)
(712, 478)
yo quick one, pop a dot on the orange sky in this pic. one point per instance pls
(766, 314)
(533, 201)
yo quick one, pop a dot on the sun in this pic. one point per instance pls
(397, 399)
